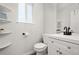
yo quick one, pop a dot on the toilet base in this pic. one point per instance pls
(41, 53)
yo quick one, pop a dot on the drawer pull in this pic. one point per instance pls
(57, 51)
(60, 53)
(69, 47)
(52, 41)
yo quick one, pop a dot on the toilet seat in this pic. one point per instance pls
(39, 47)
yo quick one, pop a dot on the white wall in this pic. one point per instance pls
(50, 18)
(64, 14)
(23, 45)
(64, 17)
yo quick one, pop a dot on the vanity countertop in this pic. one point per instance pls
(74, 38)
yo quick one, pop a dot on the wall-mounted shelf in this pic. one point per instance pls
(4, 44)
(4, 32)
(1, 33)
(4, 21)
(4, 12)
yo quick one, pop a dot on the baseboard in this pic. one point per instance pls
(30, 52)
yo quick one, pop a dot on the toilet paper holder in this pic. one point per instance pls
(25, 34)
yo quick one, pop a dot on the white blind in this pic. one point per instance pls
(25, 13)
(29, 13)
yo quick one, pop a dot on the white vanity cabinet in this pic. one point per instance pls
(60, 46)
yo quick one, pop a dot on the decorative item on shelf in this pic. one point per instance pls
(58, 27)
(58, 31)
(3, 18)
(3, 14)
(1, 29)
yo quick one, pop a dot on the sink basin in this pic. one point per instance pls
(74, 38)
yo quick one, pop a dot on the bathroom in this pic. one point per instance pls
(20, 34)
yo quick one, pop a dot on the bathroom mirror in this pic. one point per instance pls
(68, 15)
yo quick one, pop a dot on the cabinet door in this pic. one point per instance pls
(52, 47)
(68, 48)
(73, 49)
(62, 50)
(56, 48)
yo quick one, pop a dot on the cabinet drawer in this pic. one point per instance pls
(58, 48)
(73, 49)
(66, 47)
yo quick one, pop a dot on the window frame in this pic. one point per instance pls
(25, 7)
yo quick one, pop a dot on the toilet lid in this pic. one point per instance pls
(40, 45)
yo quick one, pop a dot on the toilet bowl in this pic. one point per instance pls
(40, 48)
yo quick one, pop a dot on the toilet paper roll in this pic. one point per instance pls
(25, 34)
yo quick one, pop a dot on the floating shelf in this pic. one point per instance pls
(4, 44)
(5, 32)
(4, 21)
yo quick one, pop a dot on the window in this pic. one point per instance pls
(29, 13)
(25, 13)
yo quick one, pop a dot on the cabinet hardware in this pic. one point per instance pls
(60, 53)
(69, 47)
(52, 41)
(57, 50)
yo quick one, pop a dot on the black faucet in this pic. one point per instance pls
(65, 28)
(67, 31)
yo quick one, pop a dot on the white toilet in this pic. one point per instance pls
(40, 48)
